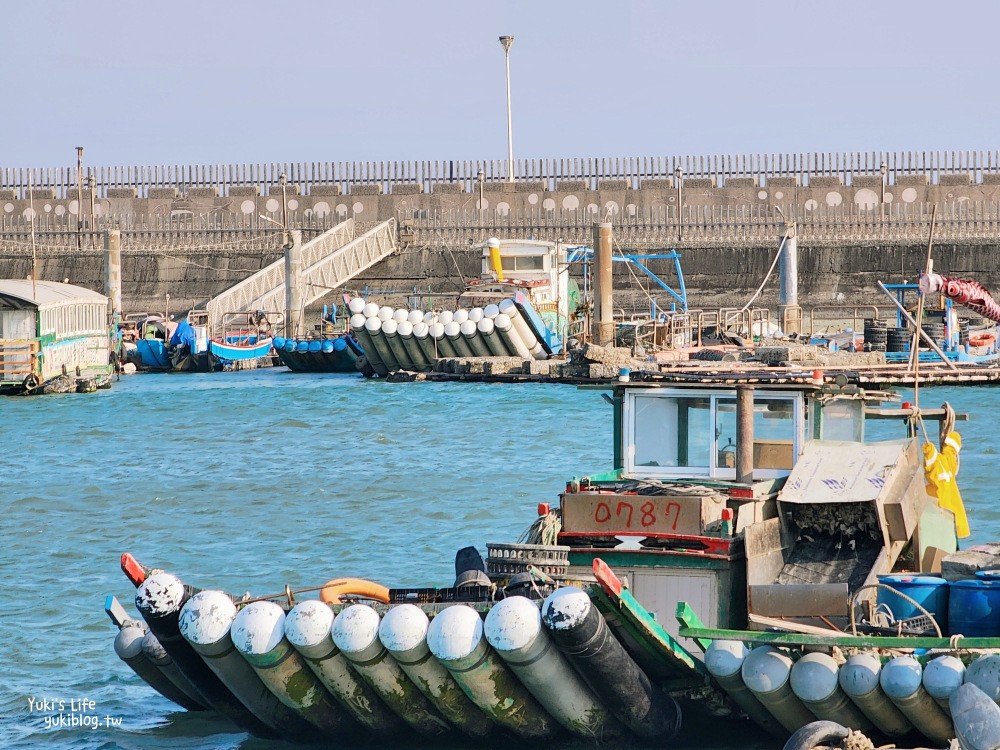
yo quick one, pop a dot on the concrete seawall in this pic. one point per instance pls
(715, 277)
(192, 231)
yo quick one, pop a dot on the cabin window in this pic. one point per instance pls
(842, 419)
(670, 433)
(523, 263)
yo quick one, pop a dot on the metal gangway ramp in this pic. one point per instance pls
(328, 262)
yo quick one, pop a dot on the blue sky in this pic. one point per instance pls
(197, 81)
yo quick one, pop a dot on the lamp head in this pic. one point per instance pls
(506, 42)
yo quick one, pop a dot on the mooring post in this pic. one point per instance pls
(744, 434)
(789, 313)
(293, 283)
(113, 270)
(602, 324)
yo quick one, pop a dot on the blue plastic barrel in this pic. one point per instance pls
(339, 345)
(974, 608)
(289, 345)
(327, 347)
(278, 343)
(315, 346)
(302, 346)
(929, 592)
(988, 575)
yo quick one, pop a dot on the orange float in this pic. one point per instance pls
(982, 339)
(335, 591)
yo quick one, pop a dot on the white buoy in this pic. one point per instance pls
(766, 671)
(470, 332)
(460, 315)
(258, 632)
(390, 329)
(487, 332)
(445, 317)
(510, 338)
(528, 336)
(421, 334)
(400, 314)
(859, 679)
(514, 629)
(984, 673)
(412, 347)
(441, 344)
(307, 628)
(455, 637)
(901, 681)
(385, 313)
(374, 328)
(453, 332)
(356, 305)
(476, 314)
(355, 633)
(415, 316)
(403, 631)
(814, 682)
(206, 623)
(430, 317)
(371, 310)
(724, 659)
(491, 311)
(942, 677)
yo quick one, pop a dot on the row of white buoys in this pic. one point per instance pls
(395, 339)
(895, 697)
(305, 673)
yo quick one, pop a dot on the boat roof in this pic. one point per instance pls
(20, 293)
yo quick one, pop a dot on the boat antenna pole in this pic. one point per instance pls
(915, 345)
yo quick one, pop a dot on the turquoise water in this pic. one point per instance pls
(249, 481)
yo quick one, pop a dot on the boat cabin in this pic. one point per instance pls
(714, 483)
(46, 327)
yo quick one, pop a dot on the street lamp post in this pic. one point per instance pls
(283, 181)
(884, 170)
(481, 178)
(79, 197)
(506, 42)
(679, 176)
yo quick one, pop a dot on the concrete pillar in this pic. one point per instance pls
(744, 434)
(788, 290)
(293, 284)
(602, 324)
(113, 270)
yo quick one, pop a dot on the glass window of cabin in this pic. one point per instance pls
(842, 419)
(671, 432)
(775, 434)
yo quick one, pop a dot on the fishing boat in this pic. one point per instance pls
(740, 511)
(52, 336)
(243, 340)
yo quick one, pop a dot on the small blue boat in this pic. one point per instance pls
(239, 348)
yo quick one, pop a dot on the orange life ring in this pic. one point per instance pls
(334, 591)
(982, 339)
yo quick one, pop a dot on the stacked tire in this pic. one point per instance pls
(875, 335)
(897, 339)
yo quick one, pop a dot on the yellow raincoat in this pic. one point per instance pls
(940, 470)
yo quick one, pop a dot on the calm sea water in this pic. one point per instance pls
(249, 481)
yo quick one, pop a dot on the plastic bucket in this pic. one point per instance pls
(930, 592)
(974, 608)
